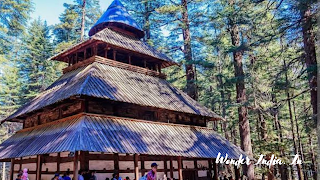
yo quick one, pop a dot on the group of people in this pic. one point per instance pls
(83, 175)
(91, 175)
(23, 175)
(87, 175)
(151, 175)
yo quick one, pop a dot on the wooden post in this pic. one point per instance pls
(136, 167)
(195, 164)
(106, 52)
(84, 160)
(171, 168)
(76, 57)
(116, 162)
(38, 167)
(215, 170)
(4, 171)
(129, 59)
(20, 164)
(237, 172)
(180, 168)
(12, 169)
(210, 168)
(58, 162)
(142, 168)
(165, 167)
(95, 50)
(75, 165)
(114, 55)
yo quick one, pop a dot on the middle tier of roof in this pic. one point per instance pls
(113, 83)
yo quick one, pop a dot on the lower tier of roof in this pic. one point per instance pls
(110, 134)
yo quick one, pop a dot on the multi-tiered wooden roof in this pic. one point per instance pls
(114, 98)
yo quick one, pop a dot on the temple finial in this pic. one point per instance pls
(118, 18)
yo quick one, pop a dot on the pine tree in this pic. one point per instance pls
(69, 28)
(37, 71)
(13, 19)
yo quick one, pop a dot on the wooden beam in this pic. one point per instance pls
(215, 170)
(75, 165)
(171, 168)
(12, 169)
(39, 167)
(180, 168)
(136, 167)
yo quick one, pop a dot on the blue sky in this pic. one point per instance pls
(50, 10)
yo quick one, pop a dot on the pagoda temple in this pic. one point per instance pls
(113, 111)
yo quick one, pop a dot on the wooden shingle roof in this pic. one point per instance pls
(124, 41)
(104, 81)
(111, 134)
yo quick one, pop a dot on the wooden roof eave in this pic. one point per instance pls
(63, 54)
(75, 47)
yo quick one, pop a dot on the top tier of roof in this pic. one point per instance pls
(117, 15)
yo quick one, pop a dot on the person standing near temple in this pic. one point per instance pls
(25, 174)
(80, 176)
(152, 174)
(66, 176)
(115, 176)
(93, 175)
(19, 176)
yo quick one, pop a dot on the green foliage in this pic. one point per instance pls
(37, 71)
(68, 30)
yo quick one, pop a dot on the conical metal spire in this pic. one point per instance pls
(117, 16)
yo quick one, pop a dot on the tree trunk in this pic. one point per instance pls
(147, 20)
(291, 119)
(190, 70)
(244, 127)
(83, 9)
(311, 151)
(311, 62)
(310, 52)
(283, 168)
(222, 94)
(299, 142)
